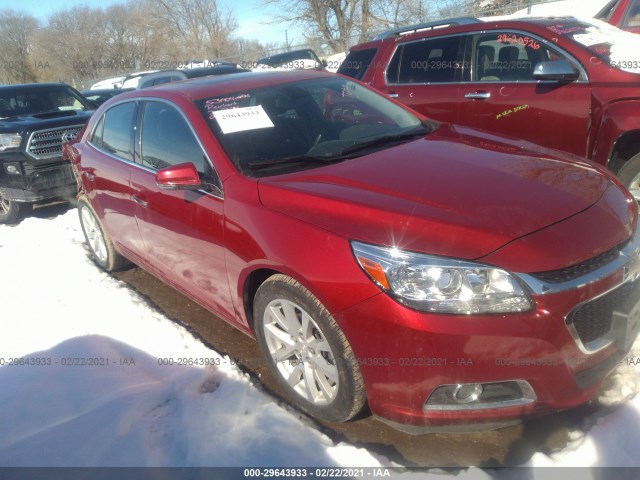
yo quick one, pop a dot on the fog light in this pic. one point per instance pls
(467, 393)
(12, 168)
(469, 396)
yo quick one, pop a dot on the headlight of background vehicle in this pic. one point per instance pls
(442, 285)
(9, 141)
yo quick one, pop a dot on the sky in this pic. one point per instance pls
(252, 16)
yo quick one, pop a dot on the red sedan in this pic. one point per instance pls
(447, 278)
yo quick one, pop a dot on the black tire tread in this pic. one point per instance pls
(358, 397)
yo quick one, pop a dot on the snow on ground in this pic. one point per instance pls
(126, 409)
(584, 8)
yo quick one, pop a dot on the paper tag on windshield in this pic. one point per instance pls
(241, 119)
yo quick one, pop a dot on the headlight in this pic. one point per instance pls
(9, 141)
(442, 285)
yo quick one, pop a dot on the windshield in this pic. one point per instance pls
(288, 57)
(33, 101)
(618, 48)
(281, 128)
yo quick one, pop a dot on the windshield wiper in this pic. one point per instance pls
(295, 159)
(384, 140)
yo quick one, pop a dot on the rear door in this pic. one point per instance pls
(425, 74)
(182, 230)
(503, 97)
(107, 162)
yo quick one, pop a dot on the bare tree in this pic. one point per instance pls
(73, 44)
(333, 22)
(202, 27)
(342, 23)
(16, 32)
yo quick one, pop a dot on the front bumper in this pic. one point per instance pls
(43, 183)
(405, 356)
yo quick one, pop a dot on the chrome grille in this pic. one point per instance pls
(46, 144)
(594, 320)
(581, 269)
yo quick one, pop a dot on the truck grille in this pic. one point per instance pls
(593, 320)
(46, 144)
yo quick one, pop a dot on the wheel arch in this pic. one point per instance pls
(250, 287)
(624, 148)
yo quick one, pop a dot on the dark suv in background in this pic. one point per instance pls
(563, 83)
(34, 120)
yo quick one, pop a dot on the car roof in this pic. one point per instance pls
(205, 87)
(461, 25)
(40, 86)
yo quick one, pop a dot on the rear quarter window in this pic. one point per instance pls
(357, 63)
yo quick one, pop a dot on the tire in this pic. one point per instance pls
(629, 175)
(102, 251)
(302, 342)
(13, 212)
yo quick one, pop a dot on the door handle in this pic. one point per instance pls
(88, 176)
(140, 202)
(392, 95)
(477, 95)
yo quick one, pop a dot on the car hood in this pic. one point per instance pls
(450, 193)
(42, 121)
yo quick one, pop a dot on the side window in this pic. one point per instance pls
(508, 56)
(166, 140)
(357, 63)
(632, 18)
(117, 130)
(96, 137)
(427, 61)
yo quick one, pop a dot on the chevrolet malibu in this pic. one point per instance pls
(445, 278)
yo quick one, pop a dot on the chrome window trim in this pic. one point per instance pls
(628, 261)
(145, 168)
(584, 78)
(195, 135)
(93, 130)
(424, 39)
(149, 169)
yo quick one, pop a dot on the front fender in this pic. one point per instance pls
(617, 119)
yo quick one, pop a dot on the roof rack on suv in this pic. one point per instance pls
(445, 22)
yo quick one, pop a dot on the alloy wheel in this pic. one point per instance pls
(301, 352)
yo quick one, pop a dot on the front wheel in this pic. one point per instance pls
(629, 175)
(306, 351)
(12, 212)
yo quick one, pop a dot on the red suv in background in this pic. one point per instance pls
(563, 83)
(442, 275)
(624, 14)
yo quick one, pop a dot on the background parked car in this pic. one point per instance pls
(293, 60)
(563, 83)
(168, 76)
(99, 96)
(34, 118)
(624, 14)
(446, 276)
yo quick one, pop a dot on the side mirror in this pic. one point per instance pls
(555, 70)
(179, 177)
